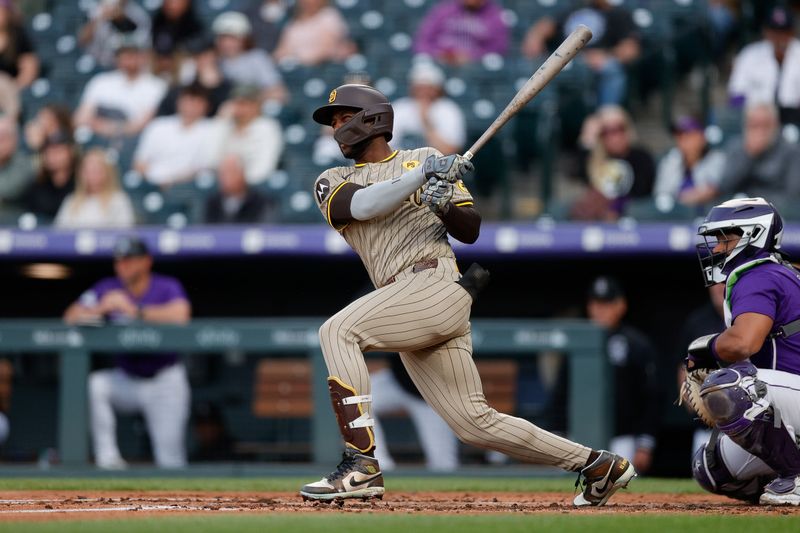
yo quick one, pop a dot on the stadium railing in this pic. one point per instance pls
(589, 414)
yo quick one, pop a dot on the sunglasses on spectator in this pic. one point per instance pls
(613, 129)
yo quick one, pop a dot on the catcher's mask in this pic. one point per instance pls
(374, 115)
(754, 220)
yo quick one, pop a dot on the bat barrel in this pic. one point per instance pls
(543, 75)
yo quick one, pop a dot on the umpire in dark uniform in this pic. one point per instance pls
(633, 358)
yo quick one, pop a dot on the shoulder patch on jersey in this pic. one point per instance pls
(462, 186)
(410, 165)
(322, 190)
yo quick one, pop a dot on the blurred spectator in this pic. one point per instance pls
(633, 358)
(705, 320)
(762, 163)
(316, 33)
(17, 56)
(456, 32)
(153, 384)
(615, 43)
(236, 203)
(690, 172)
(175, 24)
(49, 120)
(769, 70)
(427, 117)
(241, 130)
(55, 179)
(722, 23)
(241, 63)
(175, 148)
(266, 18)
(98, 201)
(612, 164)
(121, 102)
(16, 169)
(201, 69)
(392, 391)
(110, 23)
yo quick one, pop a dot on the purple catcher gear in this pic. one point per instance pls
(710, 472)
(736, 399)
(755, 220)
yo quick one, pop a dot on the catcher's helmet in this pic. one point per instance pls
(375, 115)
(755, 220)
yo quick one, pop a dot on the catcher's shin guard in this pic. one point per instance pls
(737, 400)
(354, 421)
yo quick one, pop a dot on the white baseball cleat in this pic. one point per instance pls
(357, 476)
(782, 491)
(605, 476)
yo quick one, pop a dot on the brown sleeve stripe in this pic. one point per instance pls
(330, 200)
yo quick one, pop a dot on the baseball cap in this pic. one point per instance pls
(426, 73)
(780, 18)
(130, 246)
(232, 23)
(606, 289)
(686, 123)
(128, 41)
(247, 92)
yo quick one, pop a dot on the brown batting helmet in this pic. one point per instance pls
(374, 117)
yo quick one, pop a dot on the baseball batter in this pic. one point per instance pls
(754, 402)
(395, 209)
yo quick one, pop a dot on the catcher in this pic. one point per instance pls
(753, 402)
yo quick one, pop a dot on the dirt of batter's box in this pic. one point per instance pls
(74, 505)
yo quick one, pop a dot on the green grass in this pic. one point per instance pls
(328, 523)
(289, 484)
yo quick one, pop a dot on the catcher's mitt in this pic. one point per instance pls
(690, 394)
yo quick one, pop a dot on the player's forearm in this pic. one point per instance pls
(462, 223)
(177, 312)
(384, 197)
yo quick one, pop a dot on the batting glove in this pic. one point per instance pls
(450, 168)
(437, 195)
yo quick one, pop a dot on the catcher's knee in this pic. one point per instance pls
(710, 472)
(732, 396)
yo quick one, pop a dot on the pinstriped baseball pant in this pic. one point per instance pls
(425, 317)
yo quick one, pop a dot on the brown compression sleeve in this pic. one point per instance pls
(463, 223)
(340, 204)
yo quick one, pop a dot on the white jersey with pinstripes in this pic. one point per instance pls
(391, 243)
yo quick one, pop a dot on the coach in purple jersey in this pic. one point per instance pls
(754, 400)
(155, 385)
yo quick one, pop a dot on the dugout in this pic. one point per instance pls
(538, 272)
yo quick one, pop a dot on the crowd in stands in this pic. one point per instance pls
(160, 95)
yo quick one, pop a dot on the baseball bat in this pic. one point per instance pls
(543, 75)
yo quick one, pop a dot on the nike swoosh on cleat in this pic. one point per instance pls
(599, 492)
(358, 479)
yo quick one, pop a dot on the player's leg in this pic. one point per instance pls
(447, 378)
(438, 441)
(624, 445)
(416, 310)
(108, 390)
(389, 397)
(750, 410)
(165, 402)
(721, 466)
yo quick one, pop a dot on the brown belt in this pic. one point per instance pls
(418, 267)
